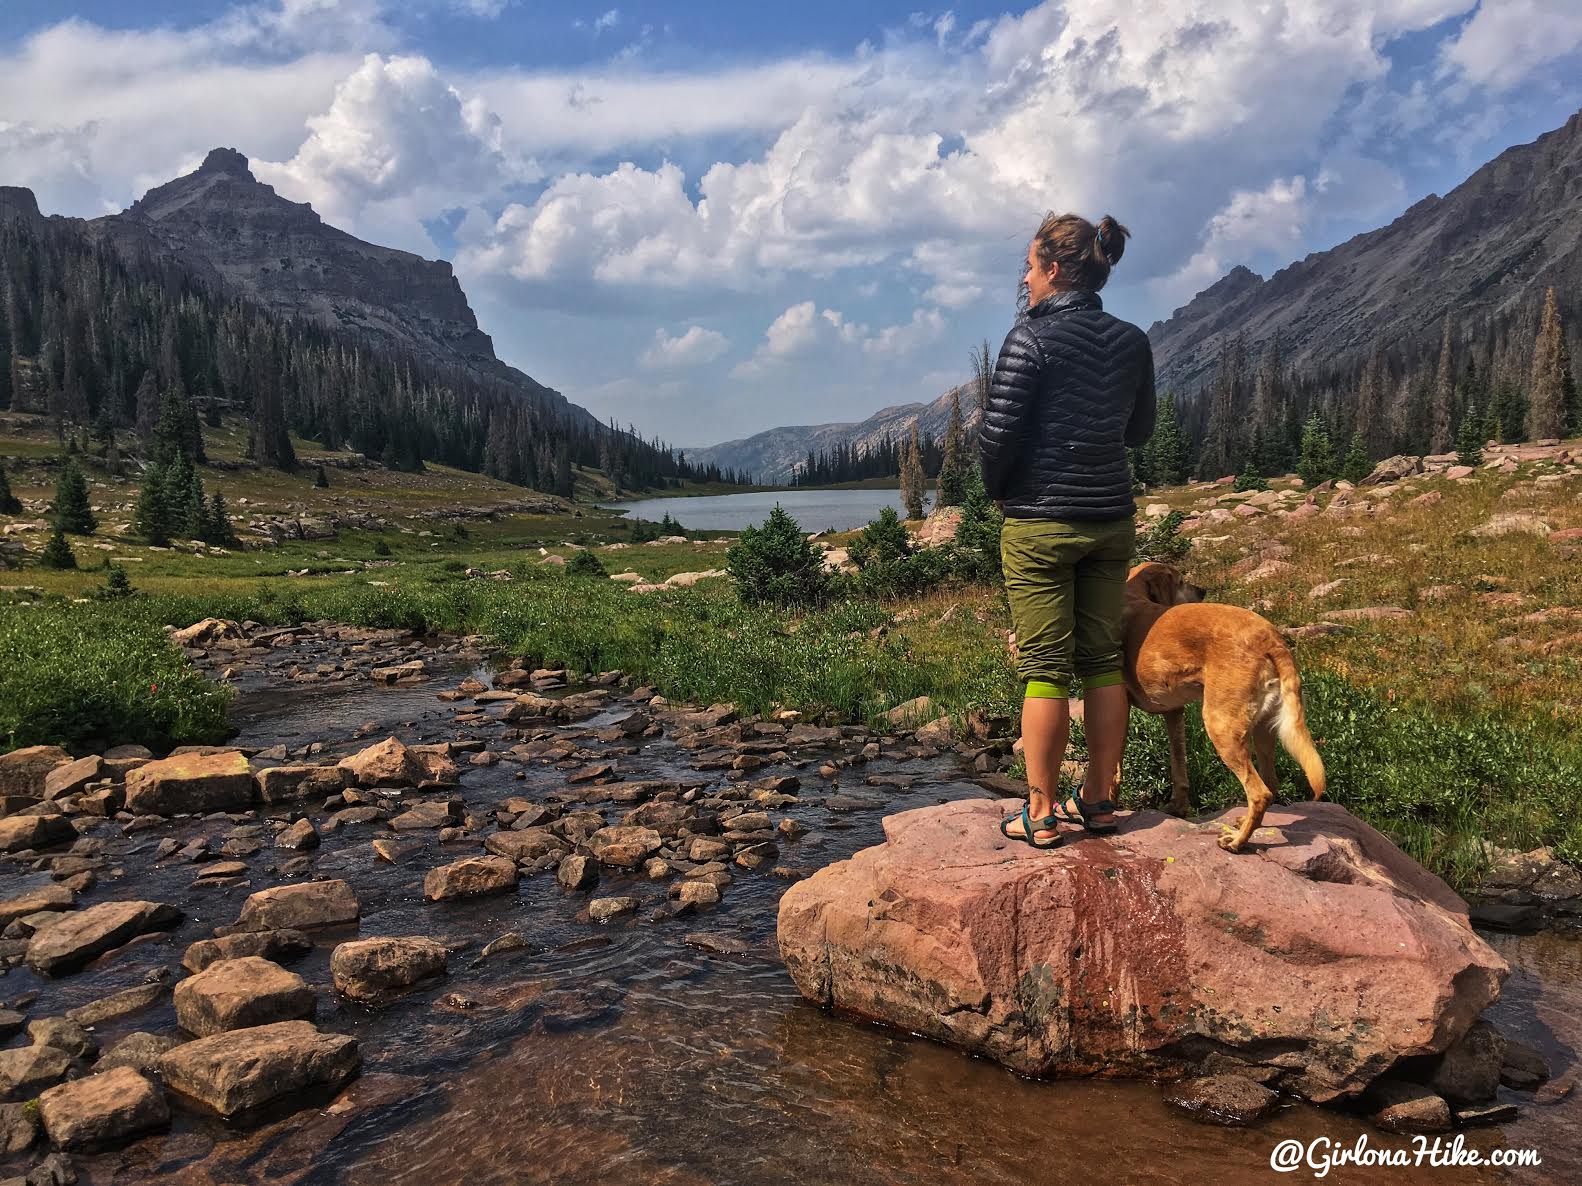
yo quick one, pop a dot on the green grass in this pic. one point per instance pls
(91, 676)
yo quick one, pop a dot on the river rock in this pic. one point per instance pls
(604, 909)
(387, 764)
(139, 1050)
(1401, 1106)
(73, 776)
(1469, 1072)
(236, 993)
(18, 832)
(271, 945)
(18, 1128)
(299, 837)
(373, 970)
(624, 847)
(287, 784)
(304, 906)
(470, 877)
(63, 1034)
(524, 846)
(1230, 1100)
(49, 897)
(193, 782)
(205, 633)
(27, 1070)
(102, 1110)
(84, 935)
(24, 771)
(118, 1004)
(577, 872)
(242, 1070)
(1141, 953)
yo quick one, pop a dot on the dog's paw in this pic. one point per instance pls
(1179, 810)
(1228, 839)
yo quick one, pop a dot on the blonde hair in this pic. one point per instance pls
(1085, 252)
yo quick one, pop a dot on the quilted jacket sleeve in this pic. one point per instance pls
(1012, 391)
(1141, 425)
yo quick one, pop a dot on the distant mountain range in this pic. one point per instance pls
(773, 455)
(237, 235)
(1494, 242)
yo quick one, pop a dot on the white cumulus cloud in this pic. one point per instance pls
(694, 347)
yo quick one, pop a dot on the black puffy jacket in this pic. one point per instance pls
(1072, 390)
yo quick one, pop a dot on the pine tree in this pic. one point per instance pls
(982, 373)
(1356, 466)
(117, 584)
(72, 511)
(1552, 411)
(151, 515)
(978, 533)
(9, 503)
(57, 553)
(1469, 441)
(1167, 448)
(1317, 462)
(912, 479)
(952, 486)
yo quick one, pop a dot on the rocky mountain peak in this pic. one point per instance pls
(18, 202)
(226, 160)
(1492, 243)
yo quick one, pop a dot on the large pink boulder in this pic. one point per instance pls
(1321, 950)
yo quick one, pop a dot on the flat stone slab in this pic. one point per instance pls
(191, 783)
(236, 993)
(304, 906)
(102, 1110)
(242, 1070)
(84, 935)
(1321, 950)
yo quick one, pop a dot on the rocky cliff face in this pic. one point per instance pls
(773, 455)
(281, 254)
(1498, 239)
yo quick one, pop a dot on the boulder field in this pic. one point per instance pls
(1321, 957)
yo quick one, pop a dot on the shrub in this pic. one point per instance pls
(774, 564)
(978, 533)
(72, 512)
(116, 584)
(57, 553)
(321, 477)
(1162, 542)
(1249, 479)
(585, 564)
(381, 548)
(1356, 465)
(92, 675)
(883, 541)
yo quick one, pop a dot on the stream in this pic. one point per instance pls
(678, 1051)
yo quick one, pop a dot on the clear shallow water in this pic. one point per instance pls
(620, 1054)
(814, 510)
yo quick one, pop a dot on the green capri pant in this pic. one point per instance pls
(1066, 582)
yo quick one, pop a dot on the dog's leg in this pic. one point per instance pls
(1180, 787)
(1229, 731)
(1263, 749)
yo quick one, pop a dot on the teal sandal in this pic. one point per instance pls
(1030, 828)
(1085, 812)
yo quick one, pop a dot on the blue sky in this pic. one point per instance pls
(707, 219)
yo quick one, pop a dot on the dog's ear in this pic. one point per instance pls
(1159, 582)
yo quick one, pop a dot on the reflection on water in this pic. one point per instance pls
(814, 510)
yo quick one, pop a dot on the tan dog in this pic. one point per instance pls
(1180, 648)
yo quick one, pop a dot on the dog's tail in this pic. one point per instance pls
(1292, 721)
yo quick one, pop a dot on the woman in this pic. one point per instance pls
(1073, 390)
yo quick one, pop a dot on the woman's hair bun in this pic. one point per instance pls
(1111, 240)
